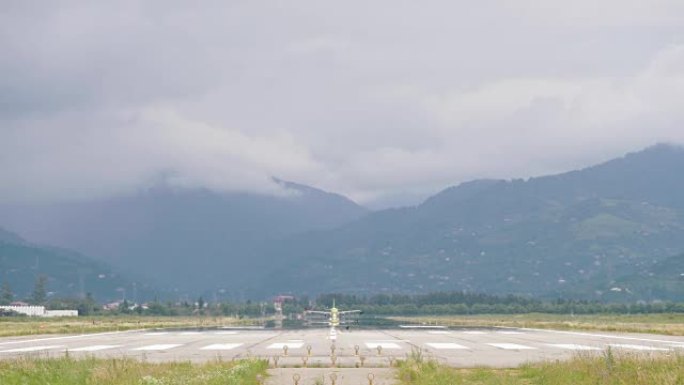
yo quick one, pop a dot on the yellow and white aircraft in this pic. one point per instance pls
(334, 317)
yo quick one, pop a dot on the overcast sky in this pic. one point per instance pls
(383, 101)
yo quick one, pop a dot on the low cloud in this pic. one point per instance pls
(371, 100)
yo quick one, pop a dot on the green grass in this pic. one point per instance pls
(20, 326)
(665, 323)
(91, 371)
(608, 369)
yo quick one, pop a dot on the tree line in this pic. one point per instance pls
(464, 303)
(437, 303)
(38, 296)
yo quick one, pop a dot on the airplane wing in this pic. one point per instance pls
(318, 312)
(351, 312)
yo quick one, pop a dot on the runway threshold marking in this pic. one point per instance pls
(506, 346)
(221, 347)
(446, 346)
(639, 347)
(32, 349)
(605, 336)
(94, 348)
(67, 337)
(158, 347)
(574, 347)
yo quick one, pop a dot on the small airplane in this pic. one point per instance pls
(334, 317)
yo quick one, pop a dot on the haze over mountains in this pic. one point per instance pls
(69, 274)
(187, 240)
(605, 232)
(570, 234)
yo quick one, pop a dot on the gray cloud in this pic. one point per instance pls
(375, 100)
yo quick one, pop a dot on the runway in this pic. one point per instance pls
(356, 348)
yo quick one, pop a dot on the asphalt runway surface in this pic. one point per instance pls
(355, 348)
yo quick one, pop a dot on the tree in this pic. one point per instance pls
(6, 295)
(156, 308)
(200, 305)
(124, 307)
(39, 295)
(87, 305)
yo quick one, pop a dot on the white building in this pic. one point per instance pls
(39, 311)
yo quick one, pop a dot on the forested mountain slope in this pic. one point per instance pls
(576, 233)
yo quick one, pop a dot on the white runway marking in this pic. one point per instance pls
(158, 347)
(475, 333)
(226, 333)
(290, 345)
(446, 345)
(384, 345)
(512, 347)
(439, 332)
(574, 347)
(94, 348)
(604, 336)
(509, 332)
(190, 333)
(157, 334)
(221, 347)
(639, 347)
(66, 337)
(32, 349)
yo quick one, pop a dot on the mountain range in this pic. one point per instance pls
(614, 231)
(183, 240)
(575, 234)
(68, 273)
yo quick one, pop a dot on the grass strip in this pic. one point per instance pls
(91, 371)
(607, 369)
